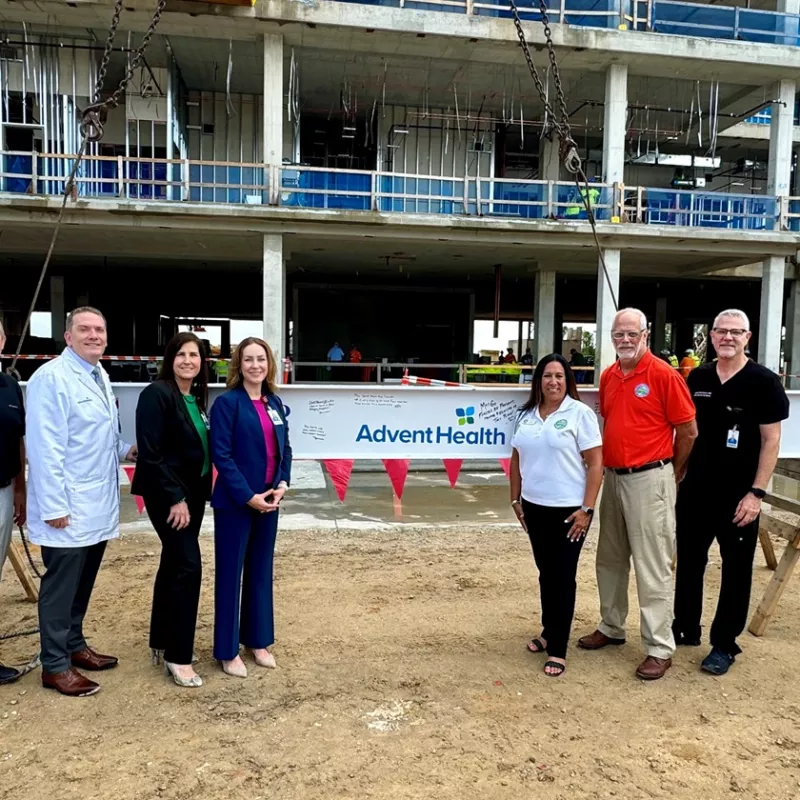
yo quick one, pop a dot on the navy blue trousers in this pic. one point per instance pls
(244, 546)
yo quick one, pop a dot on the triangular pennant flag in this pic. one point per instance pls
(505, 463)
(339, 469)
(129, 470)
(139, 503)
(397, 470)
(453, 467)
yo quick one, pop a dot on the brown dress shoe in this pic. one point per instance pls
(92, 660)
(652, 668)
(70, 683)
(597, 640)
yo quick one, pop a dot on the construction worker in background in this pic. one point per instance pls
(670, 358)
(577, 206)
(688, 363)
(221, 370)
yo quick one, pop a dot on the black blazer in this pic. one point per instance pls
(171, 455)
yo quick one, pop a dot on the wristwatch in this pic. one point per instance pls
(587, 510)
(516, 503)
(759, 493)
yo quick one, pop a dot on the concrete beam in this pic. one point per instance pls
(544, 314)
(272, 126)
(771, 314)
(607, 290)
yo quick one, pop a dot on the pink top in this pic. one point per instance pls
(270, 439)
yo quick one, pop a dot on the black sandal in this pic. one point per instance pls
(536, 646)
(554, 665)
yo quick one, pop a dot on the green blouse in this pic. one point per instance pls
(200, 424)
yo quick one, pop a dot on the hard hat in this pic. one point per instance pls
(690, 352)
(665, 352)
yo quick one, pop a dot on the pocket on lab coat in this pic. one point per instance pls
(93, 505)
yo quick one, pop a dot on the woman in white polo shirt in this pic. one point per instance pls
(556, 472)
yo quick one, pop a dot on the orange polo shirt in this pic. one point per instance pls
(641, 411)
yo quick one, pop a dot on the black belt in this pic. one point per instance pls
(643, 468)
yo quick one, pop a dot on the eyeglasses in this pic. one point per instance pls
(736, 333)
(634, 336)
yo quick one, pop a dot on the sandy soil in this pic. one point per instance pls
(403, 674)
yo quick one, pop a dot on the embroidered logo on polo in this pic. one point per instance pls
(560, 425)
(642, 390)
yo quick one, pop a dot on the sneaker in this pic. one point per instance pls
(9, 674)
(717, 662)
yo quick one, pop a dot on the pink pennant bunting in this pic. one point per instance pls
(505, 463)
(340, 470)
(139, 504)
(129, 470)
(453, 467)
(397, 470)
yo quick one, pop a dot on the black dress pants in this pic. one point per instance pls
(701, 518)
(556, 557)
(63, 599)
(176, 593)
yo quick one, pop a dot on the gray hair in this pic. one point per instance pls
(82, 310)
(733, 312)
(642, 317)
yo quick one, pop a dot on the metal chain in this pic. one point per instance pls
(95, 115)
(568, 148)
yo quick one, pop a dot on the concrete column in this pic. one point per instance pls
(771, 314)
(792, 344)
(58, 312)
(614, 123)
(660, 325)
(544, 313)
(604, 350)
(274, 307)
(549, 161)
(272, 124)
(780, 139)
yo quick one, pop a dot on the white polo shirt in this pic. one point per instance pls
(550, 461)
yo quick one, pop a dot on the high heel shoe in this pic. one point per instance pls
(190, 683)
(267, 661)
(157, 656)
(234, 667)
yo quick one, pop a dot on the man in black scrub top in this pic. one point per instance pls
(740, 407)
(12, 472)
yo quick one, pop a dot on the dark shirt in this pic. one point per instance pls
(12, 428)
(751, 398)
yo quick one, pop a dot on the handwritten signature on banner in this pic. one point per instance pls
(379, 401)
(498, 410)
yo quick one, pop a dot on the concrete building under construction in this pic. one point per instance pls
(385, 172)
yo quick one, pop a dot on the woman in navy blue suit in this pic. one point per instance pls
(251, 451)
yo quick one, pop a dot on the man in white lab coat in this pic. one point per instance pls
(74, 451)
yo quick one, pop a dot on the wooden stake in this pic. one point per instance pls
(17, 559)
(769, 602)
(769, 550)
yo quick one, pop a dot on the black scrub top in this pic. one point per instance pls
(12, 428)
(730, 414)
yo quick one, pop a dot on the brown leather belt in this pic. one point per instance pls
(643, 468)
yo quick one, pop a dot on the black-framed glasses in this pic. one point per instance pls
(736, 333)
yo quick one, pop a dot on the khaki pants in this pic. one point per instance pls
(637, 520)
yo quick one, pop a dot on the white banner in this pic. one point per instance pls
(331, 421)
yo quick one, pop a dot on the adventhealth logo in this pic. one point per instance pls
(466, 416)
(447, 435)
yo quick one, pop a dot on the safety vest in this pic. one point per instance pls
(221, 368)
(673, 361)
(575, 209)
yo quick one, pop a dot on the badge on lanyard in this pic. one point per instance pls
(733, 438)
(205, 420)
(274, 416)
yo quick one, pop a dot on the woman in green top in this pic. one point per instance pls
(173, 476)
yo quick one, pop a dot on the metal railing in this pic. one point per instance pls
(660, 16)
(155, 180)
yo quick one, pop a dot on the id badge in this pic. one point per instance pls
(205, 420)
(274, 416)
(732, 441)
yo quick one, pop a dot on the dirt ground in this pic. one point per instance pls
(402, 674)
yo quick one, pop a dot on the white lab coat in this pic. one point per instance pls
(74, 449)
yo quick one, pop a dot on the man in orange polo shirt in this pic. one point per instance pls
(649, 432)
